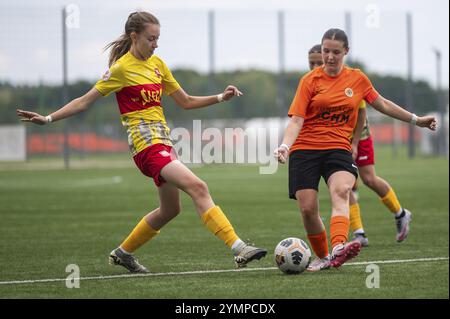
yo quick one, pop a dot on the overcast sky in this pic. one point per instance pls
(246, 35)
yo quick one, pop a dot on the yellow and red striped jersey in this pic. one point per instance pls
(139, 86)
(365, 134)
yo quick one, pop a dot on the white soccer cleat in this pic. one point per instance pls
(117, 257)
(319, 264)
(247, 254)
(402, 224)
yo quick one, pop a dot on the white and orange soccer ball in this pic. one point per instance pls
(292, 255)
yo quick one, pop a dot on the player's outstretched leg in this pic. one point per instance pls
(340, 184)
(211, 215)
(218, 224)
(342, 251)
(389, 198)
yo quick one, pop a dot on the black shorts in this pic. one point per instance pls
(307, 166)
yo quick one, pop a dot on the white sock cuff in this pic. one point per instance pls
(124, 251)
(397, 214)
(237, 245)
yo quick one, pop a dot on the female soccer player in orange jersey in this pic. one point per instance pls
(364, 155)
(323, 116)
(139, 78)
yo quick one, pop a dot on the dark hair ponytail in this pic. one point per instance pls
(135, 23)
(315, 49)
(336, 34)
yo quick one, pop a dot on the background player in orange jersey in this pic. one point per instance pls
(323, 115)
(139, 78)
(364, 156)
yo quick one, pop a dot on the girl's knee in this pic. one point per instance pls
(342, 190)
(308, 211)
(198, 188)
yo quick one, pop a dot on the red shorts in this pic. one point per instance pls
(366, 155)
(152, 159)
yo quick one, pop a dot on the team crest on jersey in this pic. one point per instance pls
(348, 92)
(158, 74)
(164, 153)
(106, 76)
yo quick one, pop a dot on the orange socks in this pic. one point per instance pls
(319, 244)
(339, 226)
(141, 234)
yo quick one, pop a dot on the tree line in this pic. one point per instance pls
(266, 94)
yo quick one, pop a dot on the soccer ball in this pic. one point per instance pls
(292, 255)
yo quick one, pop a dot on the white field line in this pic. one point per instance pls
(201, 272)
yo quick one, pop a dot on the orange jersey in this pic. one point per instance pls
(139, 86)
(330, 106)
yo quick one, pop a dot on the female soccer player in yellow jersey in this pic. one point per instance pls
(139, 78)
(364, 156)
